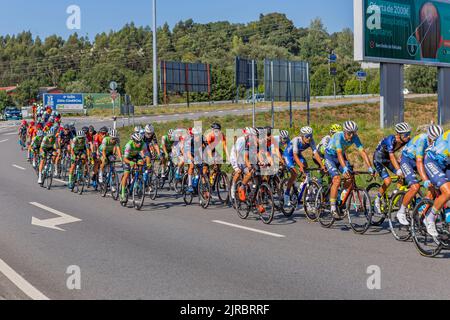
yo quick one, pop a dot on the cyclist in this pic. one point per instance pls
(90, 134)
(135, 153)
(336, 161)
(35, 146)
(48, 145)
(237, 160)
(95, 152)
(293, 157)
(31, 133)
(110, 147)
(79, 149)
(23, 129)
(151, 141)
(413, 161)
(62, 142)
(213, 140)
(322, 146)
(193, 149)
(384, 159)
(437, 167)
(167, 143)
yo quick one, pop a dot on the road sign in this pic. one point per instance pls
(113, 85)
(333, 71)
(333, 58)
(64, 102)
(361, 75)
(114, 95)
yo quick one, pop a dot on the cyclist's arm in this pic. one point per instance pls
(319, 160)
(300, 164)
(394, 161)
(421, 169)
(365, 157)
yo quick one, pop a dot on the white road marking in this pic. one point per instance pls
(62, 181)
(10, 134)
(3, 140)
(276, 235)
(18, 167)
(54, 222)
(21, 283)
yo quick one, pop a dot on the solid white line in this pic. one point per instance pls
(9, 134)
(62, 181)
(18, 167)
(3, 140)
(276, 235)
(21, 283)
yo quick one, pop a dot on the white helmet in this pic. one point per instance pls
(306, 131)
(136, 137)
(150, 129)
(252, 131)
(284, 134)
(113, 134)
(137, 129)
(81, 134)
(350, 126)
(434, 132)
(402, 128)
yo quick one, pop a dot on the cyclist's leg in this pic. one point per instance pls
(124, 182)
(332, 164)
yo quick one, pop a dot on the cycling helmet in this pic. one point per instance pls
(24, 122)
(104, 130)
(91, 128)
(85, 129)
(335, 128)
(66, 127)
(40, 133)
(39, 126)
(170, 133)
(113, 134)
(136, 137)
(216, 126)
(284, 134)
(51, 133)
(32, 123)
(150, 129)
(350, 127)
(402, 128)
(81, 134)
(306, 131)
(434, 132)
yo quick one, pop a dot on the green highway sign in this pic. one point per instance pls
(403, 31)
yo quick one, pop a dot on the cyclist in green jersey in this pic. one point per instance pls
(47, 146)
(167, 142)
(36, 145)
(110, 147)
(78, 149)
(135, 153)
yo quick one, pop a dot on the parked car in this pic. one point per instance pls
(12, 113)
(259, 97)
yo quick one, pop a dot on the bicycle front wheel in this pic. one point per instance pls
(138, 194)
(377, 218)
(309, 201)
(399, 231)
(359, 211)
(204, 192)
(323, 208)
(265, 204)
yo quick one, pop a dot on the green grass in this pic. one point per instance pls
(418, 112)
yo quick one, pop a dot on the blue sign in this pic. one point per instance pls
(361, 75)
(64, 102)
(333, 58)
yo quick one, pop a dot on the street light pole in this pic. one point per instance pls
(155, 59)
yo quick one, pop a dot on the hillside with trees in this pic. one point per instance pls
(77, 64)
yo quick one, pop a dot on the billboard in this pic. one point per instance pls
(100, 101)
(244, 73)
(286, 80)
(403, 31)
(64, 102)
(185, 77)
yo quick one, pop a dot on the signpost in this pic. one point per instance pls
(361, 76)
(65, 102)
(332, 60)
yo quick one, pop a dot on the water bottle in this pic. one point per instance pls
(447, 215)
(195, 182)
(145, 175)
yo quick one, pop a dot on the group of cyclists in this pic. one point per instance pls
(253, 151)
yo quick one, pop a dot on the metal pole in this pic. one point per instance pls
(253, 93)
(290, 95)
(309, 95)
(272, 92)
(155, 58)
(334, 86)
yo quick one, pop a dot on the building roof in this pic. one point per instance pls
(8, 89)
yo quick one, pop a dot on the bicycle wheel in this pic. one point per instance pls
(81, 183)
(242, 207)
(104, 187)
(49, 178)
(153, 184)
(222, 188)
(204, 191)
(188, 197)
(138, 193)
(399, 231)
(309, 201)
(359, 211)
(426, 245)
(378, 218)
(114, 185)
(288, 211)
(178, 186)
(265, 204)
(323, 208)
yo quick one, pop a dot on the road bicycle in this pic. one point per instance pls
(80, 176)
(354, 204)
(220, 185)
(111, 182)
(135, 187)
(47, 172)
(201, 188)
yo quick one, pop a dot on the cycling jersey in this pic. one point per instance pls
(439, 152)
(338, 143)
(416, 147)
(79, 145)
(212, 141)
(32, 132)
(98, 140)
(322, 146)
(48, 143)
(167, 142)
(387, 146)
(237, 154)
(151, 141)
(297, 146)
(36, 143)
(132, 152)
(281, 145)
(65, 139)
(108, 146)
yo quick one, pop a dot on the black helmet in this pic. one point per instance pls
(91, 128)
(216, 126)
(66, 127)
(85, 129)
(104, 130)
(269, 131)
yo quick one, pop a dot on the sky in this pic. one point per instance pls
(46, 17)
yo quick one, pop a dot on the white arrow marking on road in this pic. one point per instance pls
(3, 140)
(21, 283)
(18, 167)
(276, 235)
(54, 222)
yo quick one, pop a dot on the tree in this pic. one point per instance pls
(420, 79)
(5, 100)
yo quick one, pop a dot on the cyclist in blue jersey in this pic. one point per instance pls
(384, 158)
(336, 160)
(412, 162)
(293, 157)
(437, 167)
